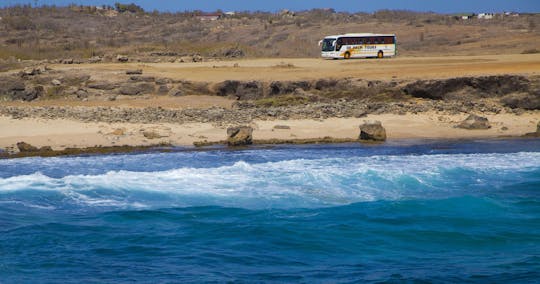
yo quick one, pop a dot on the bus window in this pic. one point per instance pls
(389, 40)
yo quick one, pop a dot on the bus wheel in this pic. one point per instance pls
(380, 54)
(347, 55)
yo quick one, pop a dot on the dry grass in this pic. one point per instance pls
(56, 32)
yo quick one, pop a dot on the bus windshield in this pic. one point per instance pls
(329, 44)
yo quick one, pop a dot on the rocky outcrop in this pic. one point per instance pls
(467, 87)
(136, 89)
(239, 135)
(529, 101)
(372, 131)
(25, 147)
(474, 122)
(102, 85)
(534, 134)
(29, 93)
(134, 72)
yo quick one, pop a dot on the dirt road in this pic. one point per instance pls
(314, 68)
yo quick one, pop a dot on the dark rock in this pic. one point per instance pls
(134, 72)
(476, 87)
(81, 94)
(122, 58)
(11, 85)
(25, 147)
(372, 131)
(240, 135)
(324, 84)
(249, 91)
(102, 85)
(30, 93)
(234, 53)
(31, 71)
(280, 87)
(142, 78)
(197, 58)
(137, 89)
(45, 149)
(534, 134)
(474, 122)
(529, 101)
(227, 88)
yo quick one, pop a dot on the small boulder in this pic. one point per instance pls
(240, 135)
(122, 58)
(56, 82)
(95, 59)
(176, 92)
(134, 72)
(30, 93)
(372, 131)
(25, 147)
(474, 122)
(534, 134)
(45, 149)
(197, 58)
(31, 71)
(67, 61)
(282, 127)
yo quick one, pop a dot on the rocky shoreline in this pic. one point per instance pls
(249, 101)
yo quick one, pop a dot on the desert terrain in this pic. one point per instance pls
(146, 91)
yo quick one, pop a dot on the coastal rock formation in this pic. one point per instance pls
(239, 135)
(466, 87)
(25, 147)
(534, 134)
(529, 101)
(372, 131)
(474, 122)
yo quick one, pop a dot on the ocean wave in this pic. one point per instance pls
(288, 183)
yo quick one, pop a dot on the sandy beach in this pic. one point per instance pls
(61, 133)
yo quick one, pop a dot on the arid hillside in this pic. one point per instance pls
(81, 33)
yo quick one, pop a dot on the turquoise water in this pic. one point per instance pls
(466, 211)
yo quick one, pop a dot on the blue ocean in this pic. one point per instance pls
(407, 211)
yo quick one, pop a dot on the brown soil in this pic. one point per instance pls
(315, 68)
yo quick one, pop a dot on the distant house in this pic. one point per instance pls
(511, 14)
(230, 13)
(466, 16)
(486, 16)
(209, 17)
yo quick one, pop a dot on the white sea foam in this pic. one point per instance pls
(299, 183)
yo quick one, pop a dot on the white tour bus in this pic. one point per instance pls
(358, 46)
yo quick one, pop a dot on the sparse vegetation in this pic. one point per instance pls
(76, 31)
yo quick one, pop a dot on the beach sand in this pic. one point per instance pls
(60, 134)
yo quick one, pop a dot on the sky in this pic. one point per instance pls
(439, 6)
